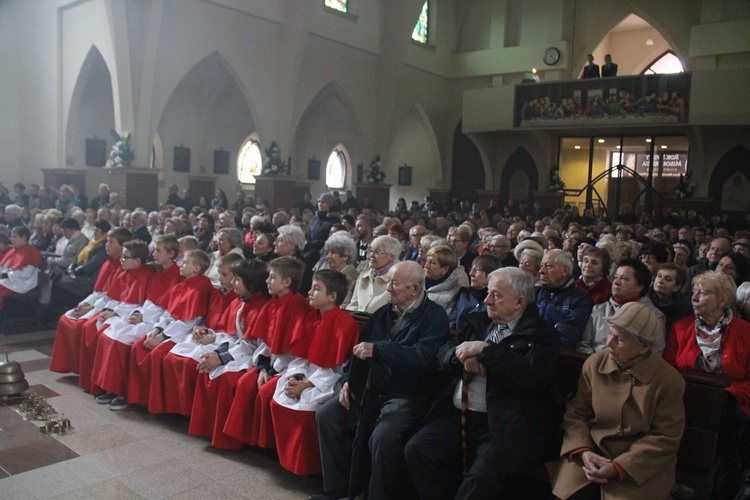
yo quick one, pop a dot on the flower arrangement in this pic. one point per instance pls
(555, 183)
(121, 155)
(274, 165)
(685, 187)
(375, 174)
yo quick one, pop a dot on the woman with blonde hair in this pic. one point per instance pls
(714, 340)
(444, 277)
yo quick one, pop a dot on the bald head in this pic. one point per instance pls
(405, 283)
(719, 248)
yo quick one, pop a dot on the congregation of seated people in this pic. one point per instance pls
(407, 353)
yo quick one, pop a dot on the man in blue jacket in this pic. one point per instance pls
(392, 382)
(559, 301)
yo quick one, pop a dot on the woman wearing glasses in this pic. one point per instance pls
(369, 292)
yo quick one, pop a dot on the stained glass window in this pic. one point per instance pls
(339, 5)
(420, 29)
(336, 170)
(249, 162)
(665, 64)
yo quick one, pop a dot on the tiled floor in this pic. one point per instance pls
(125, 454)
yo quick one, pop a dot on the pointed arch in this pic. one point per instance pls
(735, 161)
(468, 168)
(620, 20)
(328, 120)
(519, 177)
(220, 64)
(91, 111)
(413, 143)
(207, 110)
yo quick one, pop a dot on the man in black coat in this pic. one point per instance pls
(321, 224)
(391, 384)
(503, 368)
(591, 70)
(609, 68)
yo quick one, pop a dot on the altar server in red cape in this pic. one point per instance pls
(110, 372)
(137, 279)
(313, 379)
(109, 283)
(19, 266)
(220, 370)
(187, 305)
(180, 366)
(283, 325)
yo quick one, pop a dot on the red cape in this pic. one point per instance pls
(253, 306)
(162, 283)
(189, 299)
(284, 323)
(18, 258)
(109, 269)
(138, 281)
(334, 337)
(222, 310)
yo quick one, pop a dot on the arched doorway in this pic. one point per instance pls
(730, 182)
(467, 170)
(519, 178)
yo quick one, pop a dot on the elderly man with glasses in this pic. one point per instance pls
(415, 235)
(499, 246)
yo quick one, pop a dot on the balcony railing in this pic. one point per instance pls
(646, 100)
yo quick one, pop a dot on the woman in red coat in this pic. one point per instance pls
(594, 269)
(716, 341)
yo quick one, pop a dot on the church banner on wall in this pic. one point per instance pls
(672, 164)
(604, 102)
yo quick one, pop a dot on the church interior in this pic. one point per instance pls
(479, 100)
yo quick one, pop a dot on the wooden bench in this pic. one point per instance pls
(704, 395)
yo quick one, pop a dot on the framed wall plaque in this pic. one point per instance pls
(96, 152)
(221, 162)
(181, 159)
(404, 176)
(313, 169)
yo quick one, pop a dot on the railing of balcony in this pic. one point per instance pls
(646, 100)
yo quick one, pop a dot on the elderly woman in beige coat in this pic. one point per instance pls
(623, 428)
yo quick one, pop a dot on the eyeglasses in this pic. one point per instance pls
(476, 270)
(453, 241)
(375, 253)
(126, 258)
(494, 247)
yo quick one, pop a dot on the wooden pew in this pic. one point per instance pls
(704, 394)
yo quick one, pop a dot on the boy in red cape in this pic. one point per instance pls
(187, 305)
(230, 309)
(137, 279)
(283, 326)
(19, 266)
(313, 379)
(219, 371)
(109, 285)
(110, 372)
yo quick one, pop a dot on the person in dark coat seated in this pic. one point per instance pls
(390, 386)
(498, 421)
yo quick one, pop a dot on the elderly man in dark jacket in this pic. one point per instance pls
(321, 224)
(391, 385)
(503, 367)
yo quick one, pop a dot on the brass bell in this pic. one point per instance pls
(12, 380)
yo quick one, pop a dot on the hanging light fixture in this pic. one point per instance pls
(649, 41)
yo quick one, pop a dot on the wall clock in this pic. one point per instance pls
(551, 56)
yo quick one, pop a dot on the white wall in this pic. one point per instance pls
(279, 56)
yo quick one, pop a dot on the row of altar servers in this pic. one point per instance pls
(107, 343)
